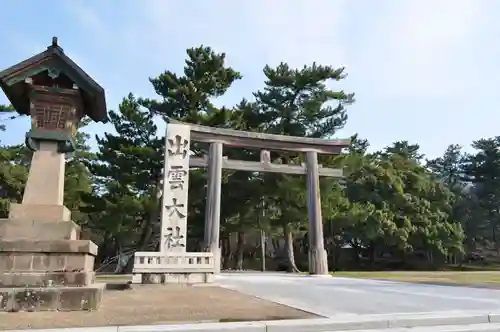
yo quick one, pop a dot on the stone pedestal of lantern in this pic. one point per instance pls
(44, 265)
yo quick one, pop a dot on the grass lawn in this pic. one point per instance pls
(446, 277)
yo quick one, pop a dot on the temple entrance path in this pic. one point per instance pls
(330, 296)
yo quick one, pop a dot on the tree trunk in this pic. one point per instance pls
(356, 251)
(128, 268)
(146, 231)
(105, 249)
(292, 267)
(118, 268)
(372, 251)
(337, 256)
(152, 218)
(335, 252)
(225, 252)
(239, 251)
(276, 247)
(262, 250)
(145, 234)
(494, 236)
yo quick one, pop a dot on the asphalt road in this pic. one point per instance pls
(330, 296)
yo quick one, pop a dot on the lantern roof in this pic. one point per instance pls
(55, 66)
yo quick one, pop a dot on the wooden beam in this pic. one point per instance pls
(241, 138)
(256, 166)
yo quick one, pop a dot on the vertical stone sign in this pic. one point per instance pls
(175, 188)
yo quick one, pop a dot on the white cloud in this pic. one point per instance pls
(405, 48)
(417, 47)
(253, 33)
(88, 17)
(438, 56)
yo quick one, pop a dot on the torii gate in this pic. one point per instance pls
(217, 138)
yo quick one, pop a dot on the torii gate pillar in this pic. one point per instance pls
(318, 259)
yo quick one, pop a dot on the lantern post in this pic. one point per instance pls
(44, 264)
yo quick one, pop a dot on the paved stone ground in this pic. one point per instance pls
(330, 296)
(157, 304)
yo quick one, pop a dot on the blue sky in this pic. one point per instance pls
(426, 71)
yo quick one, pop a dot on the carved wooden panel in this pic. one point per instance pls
(51, 117)
(52, 114)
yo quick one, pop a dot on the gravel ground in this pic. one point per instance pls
(157, 304)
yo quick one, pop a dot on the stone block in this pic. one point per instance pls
(49, 246)
(434, 319)
(84, 262)
(196, 278)
(4, 300)
(45, 183)
(494, 317)
(137, 278)
(33, 300)
(173, 278)
(429, 322)
(204, 327)
(39, 212)
(152, 278)
(7, 261)
(364, 322)
(209, 278)
(46, 262)
(38, 230)
(46, 279)
(23, 262)
(51, 298)
(81, 298)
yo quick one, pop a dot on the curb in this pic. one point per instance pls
(457, 321)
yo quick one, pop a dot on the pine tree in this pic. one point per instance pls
(124, 208)
(8, 113)
(189, 97)
(482, 170)
(298, 102)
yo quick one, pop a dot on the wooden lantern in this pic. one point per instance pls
(56, 93)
